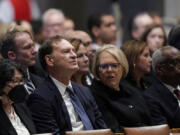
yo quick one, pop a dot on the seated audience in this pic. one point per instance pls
(163, 97)
(60, 105)
(155, 37)
(139, 59)
(15, 118)
(120, 106)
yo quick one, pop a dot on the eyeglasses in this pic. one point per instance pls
(82, 56)
(114, 66)
(15, 81)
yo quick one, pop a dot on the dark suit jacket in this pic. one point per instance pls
(37, 68)
(50, 113)
(6, 128)
(163, 105)
(36, 80)
(124, 108)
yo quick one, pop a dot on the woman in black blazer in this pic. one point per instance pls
(15, 118)
(120, 105)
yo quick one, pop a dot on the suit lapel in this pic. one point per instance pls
(6, 124)
(24, 118)
(61, 107)
(165, 92)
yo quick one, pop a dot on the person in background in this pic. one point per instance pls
(163, 97)
(155, 37)
(60, 105)
(102, 29)
(80, 76)
(120, 105)
(138, 24)
(37, 32)
(86, 41)
(15, 118)
(52, 23)
(156, 18)
(69, 24)
(139, 59)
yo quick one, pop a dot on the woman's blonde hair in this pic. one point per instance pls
(116, 53)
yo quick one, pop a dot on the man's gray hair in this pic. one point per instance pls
(159, 57)
(51, 11)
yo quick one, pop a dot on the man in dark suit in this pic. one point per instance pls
(52, 105)
(18, 45)
(162, 97)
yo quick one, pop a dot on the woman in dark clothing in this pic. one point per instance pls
(120, 105)
(139, 60)
(15, 118)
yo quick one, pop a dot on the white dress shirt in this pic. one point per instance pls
(17, 124)
(76, 123)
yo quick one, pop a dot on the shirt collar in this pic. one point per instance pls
(171, 88)
(61, 87)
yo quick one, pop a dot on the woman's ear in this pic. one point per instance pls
(95, 31)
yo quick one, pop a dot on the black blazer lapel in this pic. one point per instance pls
(6, 125)
(25, 118)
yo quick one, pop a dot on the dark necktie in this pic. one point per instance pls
(177, 93)
(29, 86)
(79, 109)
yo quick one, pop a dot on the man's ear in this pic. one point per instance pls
(95, 31)
(49, 60)
(134, 34)
(159, 70)
(11, 55)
